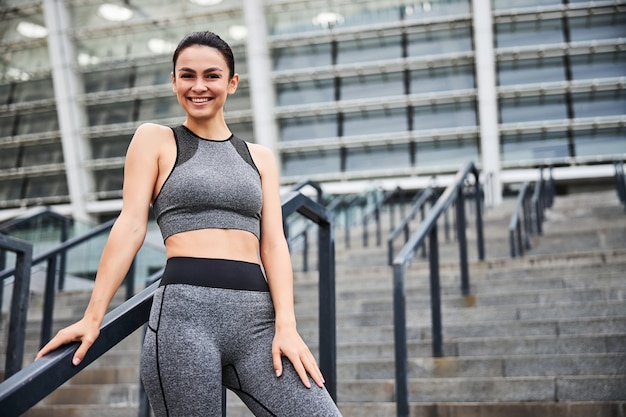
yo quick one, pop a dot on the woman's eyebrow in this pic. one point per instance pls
(211, 69)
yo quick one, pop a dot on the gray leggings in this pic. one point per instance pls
(200, 338)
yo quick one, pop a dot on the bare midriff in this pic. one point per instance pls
(231, 244)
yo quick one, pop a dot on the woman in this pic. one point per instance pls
(218, 316)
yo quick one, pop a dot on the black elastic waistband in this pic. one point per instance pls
(215, 273)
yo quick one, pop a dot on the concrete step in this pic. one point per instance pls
(478, 389)
(384, 314)
(507, 328)
(382, 409)
(487, 346)
(457, 389)
(484, 409)
(488, 366)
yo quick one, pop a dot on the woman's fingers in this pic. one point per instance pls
(73, 333)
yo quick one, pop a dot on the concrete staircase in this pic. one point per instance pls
(544, 335)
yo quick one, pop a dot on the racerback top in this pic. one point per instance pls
(214, 184)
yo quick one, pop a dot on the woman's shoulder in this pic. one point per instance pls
(153, 129)
(152, 133)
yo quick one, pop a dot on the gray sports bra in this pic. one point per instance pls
(213, 185)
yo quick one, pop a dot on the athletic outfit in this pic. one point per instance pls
(212, 320)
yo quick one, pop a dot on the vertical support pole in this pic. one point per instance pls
(327, 316)
(19, 308)
(435, 292)
(62, 264)
(399, 332)
(460, 225)
(479, 219)
(48, 304)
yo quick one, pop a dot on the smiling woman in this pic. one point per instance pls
(224, 312)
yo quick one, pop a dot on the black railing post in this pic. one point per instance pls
(378, 227)
(19, 302)
(460, 225)
(527, 222)
(435, 292)
(65, 233)
(480, 233)
(400, 342)
(48, 303)
(327, 314)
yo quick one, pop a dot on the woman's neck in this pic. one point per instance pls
(217, 130)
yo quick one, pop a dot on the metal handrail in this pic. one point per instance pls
(30, 385)
(453, 194)
(403, 226)
(51, 271)
(28, 217)
(304, 234)
(519, 241)
(19, 302)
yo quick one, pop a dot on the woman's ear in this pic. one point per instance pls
(233, 83)
(173, 81)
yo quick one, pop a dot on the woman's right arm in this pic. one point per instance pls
(124, 241)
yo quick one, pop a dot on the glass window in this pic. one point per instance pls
(427, 9)
(371, 158)
(370, 49)
(375, 122)
(243, 130)
(600, 142)
(5, 93)
(455, 153)
(442, 116)
(598, 65)
(596, 27)
(48, 186)
(514, 4)
(240, 100)
(537, 32)
(49, 153)
(429, 80)
(37, 122)
(157, 108)
(6, 125)
(26, 61)
(107, 80)
(11, 189)
(155, 74)
(535, 146)
(600, 103)
(33, 90)
(311, 163)
(109, 147)
(303, 56)
(109, 180)
(106, 114)
(371, 86)
(532, 109)
(305, 92)
(530, 71)
(310, 127)
(9, 157)
(440, 42)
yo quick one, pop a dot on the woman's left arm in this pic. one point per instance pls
(278, 269)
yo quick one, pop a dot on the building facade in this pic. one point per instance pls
(345, 92)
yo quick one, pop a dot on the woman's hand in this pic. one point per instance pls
(83, 331)
(287, 342)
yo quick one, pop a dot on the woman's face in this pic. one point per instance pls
(201, 81)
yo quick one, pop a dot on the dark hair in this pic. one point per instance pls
(209, 39)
